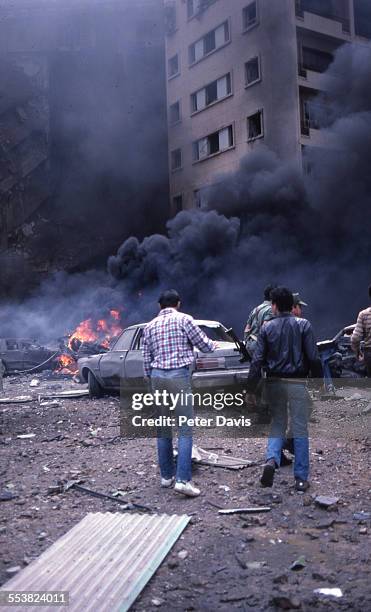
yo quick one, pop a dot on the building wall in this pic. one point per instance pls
(281, 30)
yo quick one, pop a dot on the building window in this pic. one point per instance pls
(178, 203)
(252, 71)
(213, 92)
(176, 159)
(194, 7)
(214, 143)
(250, 15)
(213, 40)
(199, 198)
(170, 19)
(173, 66)
(174, 113)
(255, 126)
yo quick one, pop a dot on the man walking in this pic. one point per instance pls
(257, 318)
(363, 332)
(287, 351)
(168, 356)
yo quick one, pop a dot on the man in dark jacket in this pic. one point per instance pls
(287, 351)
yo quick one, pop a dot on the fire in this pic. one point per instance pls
(66, 364)
(101, 330)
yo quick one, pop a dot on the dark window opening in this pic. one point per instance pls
(173, 65)
(316, 60)
(252, 71)
(175, 113)
(250, 15)
(211, 93)
(176, 159)
(213, 143)
(209, 42)
(178, 203)
(255, 125)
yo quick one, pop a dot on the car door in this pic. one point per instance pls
(133, 379)
(111, 365)
(13, 356)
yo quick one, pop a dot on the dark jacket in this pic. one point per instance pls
(286, 348)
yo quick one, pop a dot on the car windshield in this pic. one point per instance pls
(217, 333)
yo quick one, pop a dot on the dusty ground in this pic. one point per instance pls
(233, 562)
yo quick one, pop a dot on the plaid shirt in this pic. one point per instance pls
(362, 330)
(169, 340)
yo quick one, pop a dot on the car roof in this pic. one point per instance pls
(203, 322)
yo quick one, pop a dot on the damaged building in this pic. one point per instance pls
(244, 74)
(78, 147)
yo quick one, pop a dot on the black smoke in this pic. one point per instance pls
(269, 222)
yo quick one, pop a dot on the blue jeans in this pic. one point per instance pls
(175, 381)
(289, 398)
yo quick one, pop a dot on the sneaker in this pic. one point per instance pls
(268, 474)
(301, 485)
(186, 488)
(166, 483)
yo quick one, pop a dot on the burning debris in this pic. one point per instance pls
(90, 337)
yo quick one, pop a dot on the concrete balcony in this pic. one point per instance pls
(332, 25)
(318, 138)
(314, 80)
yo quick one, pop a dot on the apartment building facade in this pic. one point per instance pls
(243, 73)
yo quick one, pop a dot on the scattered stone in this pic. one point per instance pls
(42, 535)
(183, 554)
(2, 530)
(363, 531)
(157, 602)
(172, 564)
(280, 579)
(285, 602)
(325, 524)
(26, 436)
(298, 564)
(366, 410)
(326, 502)
(354, 397)
(6, 496)
(253, 565)
(34, 382)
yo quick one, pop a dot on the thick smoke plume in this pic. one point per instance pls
(266, 223)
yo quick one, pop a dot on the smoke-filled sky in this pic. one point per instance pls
(265, 223)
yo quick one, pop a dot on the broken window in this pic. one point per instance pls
(176, 159)
(173, 66)
(217, 90)
(214, 143)
(255, 125)
(212, 41)
(250, 15)
(174, 113)
(252, 70)
(178, 203)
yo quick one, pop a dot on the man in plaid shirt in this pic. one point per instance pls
(168, 356)
(361, 333)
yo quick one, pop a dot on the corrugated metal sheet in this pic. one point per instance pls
(104, 561)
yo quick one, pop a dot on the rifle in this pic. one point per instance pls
(240, 346)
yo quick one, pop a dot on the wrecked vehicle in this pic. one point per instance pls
(122, 366)
(338, 358)
(18, 354)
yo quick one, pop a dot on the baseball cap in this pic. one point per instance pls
(298, 301)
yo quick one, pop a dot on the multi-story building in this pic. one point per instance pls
(242, 73)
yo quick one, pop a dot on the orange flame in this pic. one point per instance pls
(66, 365)
(102, 330)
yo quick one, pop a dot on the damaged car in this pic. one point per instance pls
(18, 355)
(122, 366)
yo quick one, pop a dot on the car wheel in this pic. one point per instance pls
(95, 390)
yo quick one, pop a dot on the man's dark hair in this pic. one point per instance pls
(169, 299)
(283, 299)
(268, 291)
